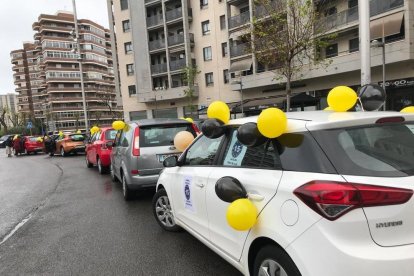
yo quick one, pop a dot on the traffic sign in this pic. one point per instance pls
(29, 125)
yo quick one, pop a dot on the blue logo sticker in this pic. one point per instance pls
(187, 192)
(237, 149)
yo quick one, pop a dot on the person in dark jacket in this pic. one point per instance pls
(9, 145)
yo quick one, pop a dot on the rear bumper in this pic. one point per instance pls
(325, 250)
(137, 182)
(77, 150)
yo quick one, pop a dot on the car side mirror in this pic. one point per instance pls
(229, 189)
(171, 161)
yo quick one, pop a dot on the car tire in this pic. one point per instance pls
(88, 164)
(35, 153)
(101, 169)
(62, 152)
(162, 211)
(271, 260)
(112, 173)
(126, 191)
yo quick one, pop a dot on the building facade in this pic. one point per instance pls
(167, 36)
(48, 77)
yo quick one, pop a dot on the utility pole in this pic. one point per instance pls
(364, 41)
(85, 114)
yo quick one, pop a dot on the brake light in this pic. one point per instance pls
(134, 172)
(135, 145)
(195, 128)
(390, 120)
(334, 199)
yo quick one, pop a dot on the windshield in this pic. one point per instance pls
(154, 136)
(77, 137)
(378, 150)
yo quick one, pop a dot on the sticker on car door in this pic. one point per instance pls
(187, 191)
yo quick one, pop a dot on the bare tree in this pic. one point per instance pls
(286, 35)
(107, 99)
(3, 119)
(189, 76)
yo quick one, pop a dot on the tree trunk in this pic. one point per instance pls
(288, 93)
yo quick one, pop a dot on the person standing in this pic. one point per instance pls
(9, 145)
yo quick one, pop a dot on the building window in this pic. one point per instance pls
(125, 26)
(224, 49)
(137, 115)
(332, 50)
(205, 27)
(130, 69)
(354, 45)
(352, 3)
(207, 53)
(203, 4)
(209, 79)
(128, 47)
(330, 11)
(222, 22)
(226, 76)
(124, 5)
(132, 90)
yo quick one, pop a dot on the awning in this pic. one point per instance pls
(387, 25)
(241, 65)
(259, 104)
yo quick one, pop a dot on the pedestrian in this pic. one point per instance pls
(9, 145)
(16, 144)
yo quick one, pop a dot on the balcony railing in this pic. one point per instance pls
(177, 64)
(175, 39)
(156, 44)
(261, 10)
(174, 14)
(240, 50)
(159, 68)
(239, 20)
(154, 20)
(149, 1)
(351, 15)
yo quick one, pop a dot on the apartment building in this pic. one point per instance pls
(48, 77)
(214, 35)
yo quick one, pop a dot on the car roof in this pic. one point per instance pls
(317, 120)
(160, 121)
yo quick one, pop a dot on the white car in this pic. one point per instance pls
(334, 196)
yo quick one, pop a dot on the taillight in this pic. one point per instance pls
(135, 145)
(195, 128)
(334, 199)
(385, 120)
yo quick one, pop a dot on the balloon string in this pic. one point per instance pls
(359, 100)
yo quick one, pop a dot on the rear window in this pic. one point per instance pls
(33, 139)
(155, 136)
(77, 137)
(110, 134)
(376, 150)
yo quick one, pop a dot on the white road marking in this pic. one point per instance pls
(18, 226)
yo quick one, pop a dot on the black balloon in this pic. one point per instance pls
(229, 189)
(213, 128)
(372, 96)
(250, 136)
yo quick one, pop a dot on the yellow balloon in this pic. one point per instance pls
(78, 132)
(241, 214)
(183, 139)
(342, 98)
(328, 108)
(118, 125)
(189, 120)
(94, 129)
(272, 122)
(60, 133)
(39, 139)
(408, 109)
(219, 110)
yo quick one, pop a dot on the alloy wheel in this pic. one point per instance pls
(163, 211)
(270, 267)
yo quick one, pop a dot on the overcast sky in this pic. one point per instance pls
(17, 17)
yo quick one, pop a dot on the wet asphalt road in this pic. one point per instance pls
(78, 223)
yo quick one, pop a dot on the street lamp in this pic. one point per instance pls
(78, 50)
(377, 44)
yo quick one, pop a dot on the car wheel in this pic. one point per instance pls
(88, 164)
(101, 169)
(62, 152)
(271, 260)
(161, 208)
(35, 152)
(125, 189)
(112, 172)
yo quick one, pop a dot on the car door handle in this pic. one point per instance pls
(201, 185)
(255, 197)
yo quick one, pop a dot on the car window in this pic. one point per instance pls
(239, 155)
(203, 151)
(77, 137)
(110, 134)
(155, 136)
(125, 137)
(33, 139)
(377, 150)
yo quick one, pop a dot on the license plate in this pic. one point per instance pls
(162, 157)
(80, 147)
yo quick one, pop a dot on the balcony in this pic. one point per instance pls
(154, 21)
(175, 39)
(159, 68)
(152, 1)
(156, 44)
(174, 14)
(177, 64)
(261, 10)
(240, 50)
(238, 20)
(164, 95)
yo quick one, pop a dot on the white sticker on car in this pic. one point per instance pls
(236, 152)
(188, 193)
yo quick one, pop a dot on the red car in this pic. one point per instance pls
(98, 149)
(32, 145)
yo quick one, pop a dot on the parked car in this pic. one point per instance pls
(98, 149)
(333, 195)
(4, 138)
(70, 144)
(139, 151)
(32, 145)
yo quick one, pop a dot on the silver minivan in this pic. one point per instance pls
(140, 149)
